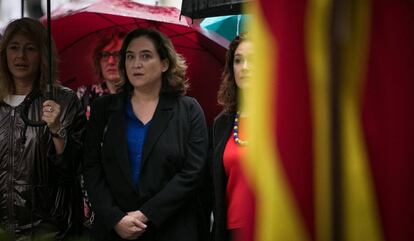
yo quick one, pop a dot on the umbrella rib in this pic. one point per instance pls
(109, 20)
(177, 34)
(202, 47)
(156, 24)
(191, 48)
(136, 22)
(89, 34)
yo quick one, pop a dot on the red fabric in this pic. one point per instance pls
(239, 195)
(386, 103)
(286, 21)
(388, 114)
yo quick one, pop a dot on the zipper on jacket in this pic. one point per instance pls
(10, 202)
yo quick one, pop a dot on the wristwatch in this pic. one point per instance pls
(61, 133)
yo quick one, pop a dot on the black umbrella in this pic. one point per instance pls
(34, 94)
(33, 8)
(196, 9)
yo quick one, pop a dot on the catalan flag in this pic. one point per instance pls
(331, 155)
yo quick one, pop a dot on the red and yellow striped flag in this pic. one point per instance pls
(376, 106)
(332, 125)
(280, 159)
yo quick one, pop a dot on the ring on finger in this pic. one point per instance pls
(50, 109)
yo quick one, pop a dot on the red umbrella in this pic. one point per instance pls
(75, 27)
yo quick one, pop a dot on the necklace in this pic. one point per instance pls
(236, 138)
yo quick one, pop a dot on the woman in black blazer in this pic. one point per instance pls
(233, 199)
(146, 148)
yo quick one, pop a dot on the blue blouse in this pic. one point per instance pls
(136, 132)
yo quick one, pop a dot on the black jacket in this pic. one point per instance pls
(38, 188)
(173, 159)
(221, 131)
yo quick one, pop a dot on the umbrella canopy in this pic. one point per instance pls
(76, 27)
(197, 9)
(226, 26)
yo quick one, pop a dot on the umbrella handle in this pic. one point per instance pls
(49, 92)
(25, 111)
(34, 94)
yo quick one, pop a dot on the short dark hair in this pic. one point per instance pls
(228, 92)
(174, 81)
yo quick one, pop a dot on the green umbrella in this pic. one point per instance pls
(227, 26)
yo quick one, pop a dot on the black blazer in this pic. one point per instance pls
(221, 131)
(173, 158)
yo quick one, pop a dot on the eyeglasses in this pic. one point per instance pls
(105, 55)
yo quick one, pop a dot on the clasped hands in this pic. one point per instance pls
(132, 225)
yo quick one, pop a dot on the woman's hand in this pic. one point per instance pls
(139, 215)
(130, 227)
(51, 115)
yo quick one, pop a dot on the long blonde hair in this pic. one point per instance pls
(35, 31)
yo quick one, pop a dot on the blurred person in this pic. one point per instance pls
(146, 148)
(105, 59)
(41, 196)
(233, 198)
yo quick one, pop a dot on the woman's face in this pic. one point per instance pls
(143, 65)
(109, 61)
(241, 63)
(23, 58)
